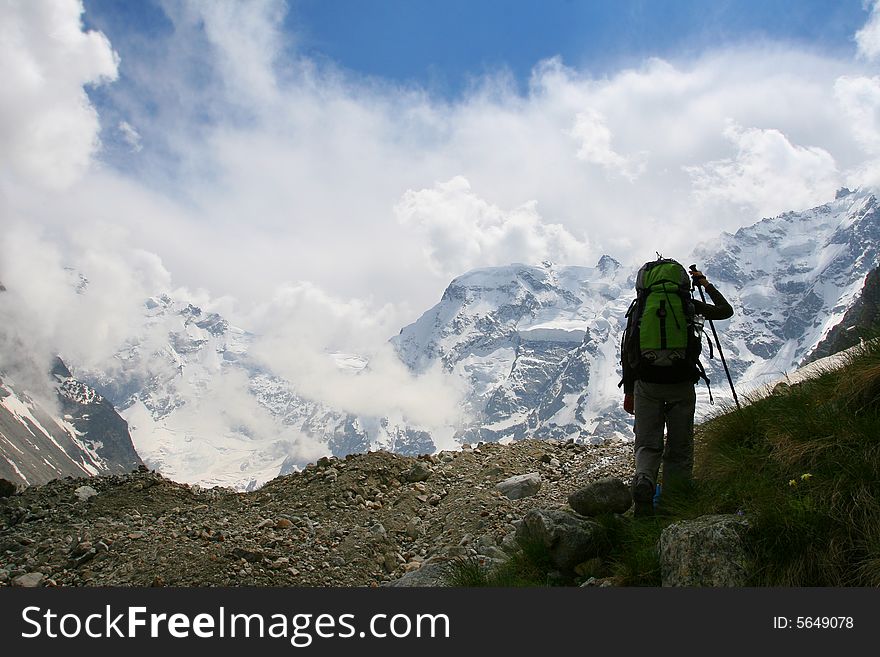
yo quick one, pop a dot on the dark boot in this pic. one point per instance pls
(643, 497)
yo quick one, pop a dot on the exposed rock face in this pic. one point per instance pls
(857, 323)
(77, 433)
(609, 495)
(708, 551)
(570, 539)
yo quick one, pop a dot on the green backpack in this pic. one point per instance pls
(662, 328)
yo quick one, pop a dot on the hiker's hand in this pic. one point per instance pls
(698, 278)
(629, 404)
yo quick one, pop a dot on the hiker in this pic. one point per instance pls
(660, 357)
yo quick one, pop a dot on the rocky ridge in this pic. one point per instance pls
(365, 520)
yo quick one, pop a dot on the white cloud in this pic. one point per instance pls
(131, 136)
(868, 38)
(246, 41)
(859, 97)
(303, 326)
(594, 138)
(81, 300)
(767, 173)
(464, 231)
(48, 127)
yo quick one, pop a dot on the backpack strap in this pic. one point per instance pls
(701, 373)
(626, 339)
(711, 348)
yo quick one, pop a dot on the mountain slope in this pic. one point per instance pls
(77, 434)
(793, 278)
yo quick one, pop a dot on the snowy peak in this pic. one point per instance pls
(494, 308)
(524, 339)
(792, 278)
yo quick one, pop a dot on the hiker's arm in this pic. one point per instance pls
(721, 310)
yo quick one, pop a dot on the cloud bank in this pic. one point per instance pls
(324, 211)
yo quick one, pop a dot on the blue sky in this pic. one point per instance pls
(442, 45)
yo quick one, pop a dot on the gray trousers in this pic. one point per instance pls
(669, 405)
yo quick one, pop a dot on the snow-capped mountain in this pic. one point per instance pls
(538, 346)
(792, 279)
(78, 433)
(535, 348)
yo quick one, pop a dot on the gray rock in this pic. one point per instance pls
(494, 553)
(608, 495)
(7, 488)
(85, 492)
(390, 562)
(569, 538)
(418, 472)
(415, 528)
(520, 486)
(430, 574)
(29, 580)
(508, 543)
(707, 551)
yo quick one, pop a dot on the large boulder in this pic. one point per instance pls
(429, 575)
(520, 486)
(7, 488)
(608, 495)
(569, 538)
(707, 551)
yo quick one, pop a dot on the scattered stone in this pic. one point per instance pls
(520, 486)
(415, 528)
(390, 562)
(417, 473)
(85, 492)
(29, 580)
(608, 495)
(198, 536)
(248, 554)
(433, 575)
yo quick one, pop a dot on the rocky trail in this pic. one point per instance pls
(367, 520)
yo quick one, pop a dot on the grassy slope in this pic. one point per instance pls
(801, 464)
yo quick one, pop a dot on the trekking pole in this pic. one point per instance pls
(718, 344)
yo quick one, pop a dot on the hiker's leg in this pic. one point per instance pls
(648, 428)
(678, 457)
